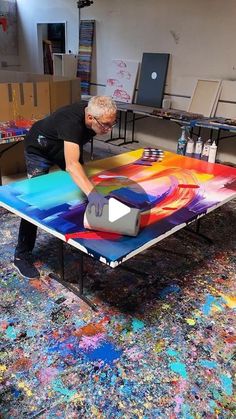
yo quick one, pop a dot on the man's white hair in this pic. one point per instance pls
(99, 105)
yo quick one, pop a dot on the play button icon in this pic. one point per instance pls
(123, 203)
(117, 210)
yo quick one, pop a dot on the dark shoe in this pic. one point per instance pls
(26, 268)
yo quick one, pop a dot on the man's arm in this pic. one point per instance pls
(75, 169)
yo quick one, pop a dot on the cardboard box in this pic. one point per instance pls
(31, 96)
(28, 95)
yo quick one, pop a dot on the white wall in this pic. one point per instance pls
(199, 35)
(44, 11)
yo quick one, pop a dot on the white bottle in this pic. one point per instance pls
(206, 150)
(198, 148)
(212, 153)
(190, 147)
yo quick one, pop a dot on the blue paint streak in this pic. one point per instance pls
(186, 412)
(11, 332)
(208, 364)
(172, 352)
(31, 333)
(212, 405)
(68, 347)
(210, 300)
(170, 289)
(179, 368)
(126, 390)
(137, 325)
(107, 353)
(16, 393)
(226, 383)
(58, 386)
(113, 379)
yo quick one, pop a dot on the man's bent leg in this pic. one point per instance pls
(36, 166)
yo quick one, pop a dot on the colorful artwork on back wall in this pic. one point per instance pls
(169, 193)
(11, 131)
(121, 80)
(8, 28)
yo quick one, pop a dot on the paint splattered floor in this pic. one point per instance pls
(161, 345)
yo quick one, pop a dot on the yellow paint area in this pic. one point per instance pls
(3, 369)
(94, 167)
(23, 386)
(230, 301)
(191, 322)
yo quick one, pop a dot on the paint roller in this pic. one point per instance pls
(116, 218)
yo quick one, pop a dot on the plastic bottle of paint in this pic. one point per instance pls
(182, 141)
(190, 147)
(198, 148)
(206, 150)
(212, 153)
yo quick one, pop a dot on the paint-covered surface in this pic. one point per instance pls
(162, 345)
(11, 131)
(170, 194)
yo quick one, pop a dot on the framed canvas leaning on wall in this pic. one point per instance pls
(152, 79)
(121, 80)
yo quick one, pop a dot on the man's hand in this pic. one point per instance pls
(98, 200)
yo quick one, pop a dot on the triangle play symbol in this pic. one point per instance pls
(116, 210)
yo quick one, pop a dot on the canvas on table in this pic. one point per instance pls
(169, 194)
(121, 80)
(205, 97)
(152, 80)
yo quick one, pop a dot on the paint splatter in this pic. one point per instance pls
(179, 368)
(91, 342)
(137, 325)
(191, 322)
(205, 363)
(226, 384)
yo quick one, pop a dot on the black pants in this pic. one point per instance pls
(36, 166)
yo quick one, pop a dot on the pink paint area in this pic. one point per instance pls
(120, 94)
(121, 64)
(88, 343)
(124, 74)
(47, 375)
(133, 354)
(112, 82)
(93, 235)
(179, 401)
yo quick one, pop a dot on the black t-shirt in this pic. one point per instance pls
(46, 137)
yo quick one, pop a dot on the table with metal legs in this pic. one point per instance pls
(171, 195)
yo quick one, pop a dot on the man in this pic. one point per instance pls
(59, 139)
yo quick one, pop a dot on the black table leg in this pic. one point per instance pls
(76, 289)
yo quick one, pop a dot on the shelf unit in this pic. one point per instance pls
(65, 65)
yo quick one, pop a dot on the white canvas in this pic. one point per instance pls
(121, 79)
(205, 97)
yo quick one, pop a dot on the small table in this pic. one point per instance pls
(12, 132)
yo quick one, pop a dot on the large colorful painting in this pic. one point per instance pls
(170, 194)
